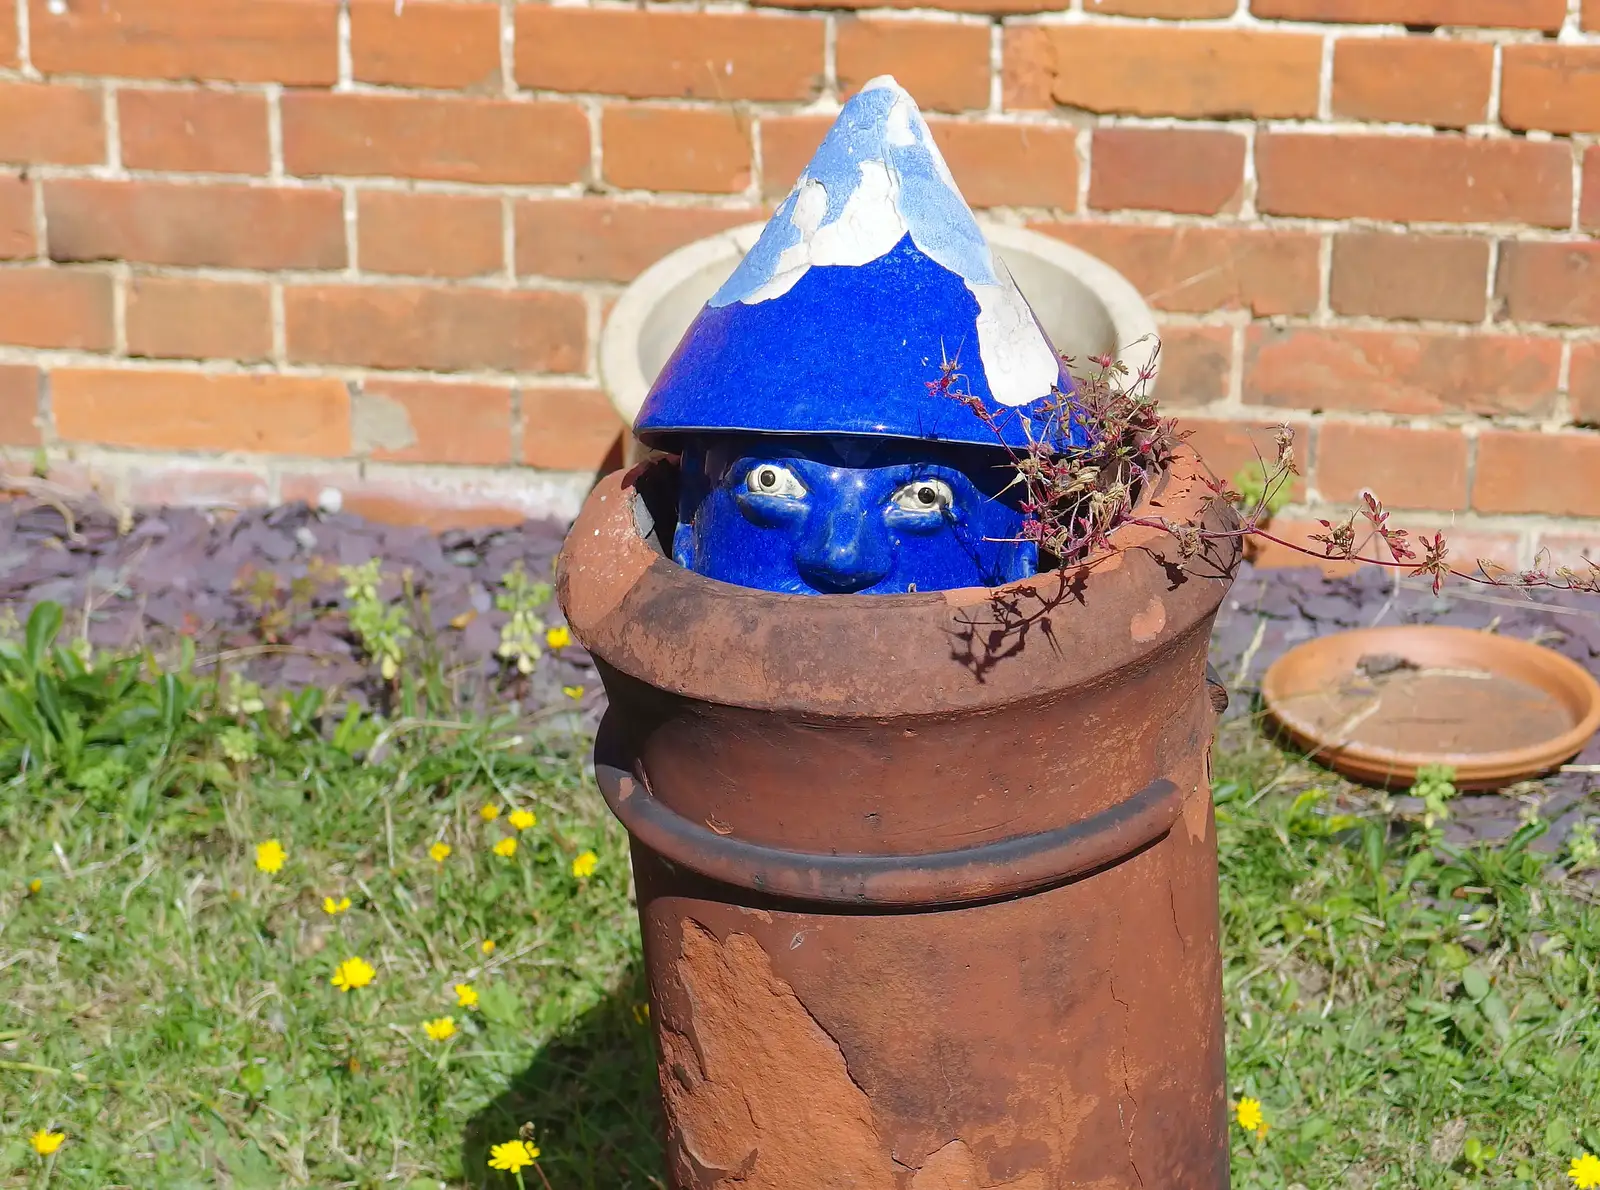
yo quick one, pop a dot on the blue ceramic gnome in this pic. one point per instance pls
(813, 401)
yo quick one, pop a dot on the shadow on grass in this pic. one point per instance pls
(590, 1096)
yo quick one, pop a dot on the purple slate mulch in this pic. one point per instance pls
(260, 586)
(238, 581)
(1268, 612)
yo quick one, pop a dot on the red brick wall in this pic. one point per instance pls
(254, 248)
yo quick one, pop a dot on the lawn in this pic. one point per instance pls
(1405, 1016)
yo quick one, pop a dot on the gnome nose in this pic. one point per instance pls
(851, 553)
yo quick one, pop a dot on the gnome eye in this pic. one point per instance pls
(769, 479)
(924, 495)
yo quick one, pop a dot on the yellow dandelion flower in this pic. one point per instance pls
(506, 847)
(488, 811)
(573, 692)
(441, 1029)
(583, 867)
(270, 856)
(513, 1155)
(487, 946)
(45, 1142)
(34, 886)
(1249, 1113)
(522, 819)
(439, 852)
(333, 908)
(558, 637)
(466, 995)
(641, 1013)
(353, 973)
(1585, 1171)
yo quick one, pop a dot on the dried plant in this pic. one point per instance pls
(1092, 452)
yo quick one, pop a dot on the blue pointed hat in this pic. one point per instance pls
(871, 281)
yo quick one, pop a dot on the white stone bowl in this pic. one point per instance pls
(1086, 306)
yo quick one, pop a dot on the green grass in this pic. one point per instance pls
(1407, 1019)
(169, 1006)
(1409, 1016)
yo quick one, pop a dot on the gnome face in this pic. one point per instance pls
(841, 361)
(817, 515)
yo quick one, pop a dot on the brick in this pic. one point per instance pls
(68, 475)
(230, 226)
(1448, 179)
(1468, 547)
(669, 55)
(569, 429)
(994, 8)
(19, 406)
(42, 306)
(212, 131)
(664, 148)
(1555, 283)
(1505, 14)
(1195, 365)
(1525, 471)
(51, 123)
(1580, 551)
(433, 502)
(1190, 171)
(1589, 18)
(447, 138)
(429, 422)
(787, 144)
(426, 43)
(293, 42)
(1011, 165)
(1410, 276)
(456, 329)
(1589, 203)
(1552, 87)
(995, 165)
(1413, 80)
(1407, 373)
(17, 236)
(169, 410)
(597, 239)
(944, 65)
(1228, 447)
(8, 32)
(1151, 70)
(1172, 10)
(1403, 468)
(1584, 383)
(198, 486)
(1465, 547)
(192, 318)
(429, 235)
(1199, 269)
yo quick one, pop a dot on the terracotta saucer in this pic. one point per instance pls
(1378, 703)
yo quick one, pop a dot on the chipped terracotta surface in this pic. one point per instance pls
(865, 971)
(1147, 625)
(955, 1168)
(1197, 812)
(615, 561)
(803, 1112)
